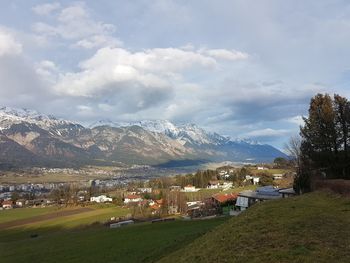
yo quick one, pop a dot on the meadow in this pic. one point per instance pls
(72, 239)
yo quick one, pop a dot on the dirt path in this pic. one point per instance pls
(40, 218)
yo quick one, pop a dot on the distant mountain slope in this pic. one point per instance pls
(41, 139)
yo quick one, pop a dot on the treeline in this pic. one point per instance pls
(200, 179)
(325, 140)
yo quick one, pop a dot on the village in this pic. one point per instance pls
(225, 191)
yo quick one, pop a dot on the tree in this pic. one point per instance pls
(281, 162)
(15, 196)
(319, 135)
(324, 147)
(292, 148)
(265, 179)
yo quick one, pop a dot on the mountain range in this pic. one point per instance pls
(28, 138)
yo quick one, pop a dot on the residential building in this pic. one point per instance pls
(101, 199)
(132, 198)
(247, 198)
(190, 188)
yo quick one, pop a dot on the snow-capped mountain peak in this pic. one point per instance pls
(9, 116)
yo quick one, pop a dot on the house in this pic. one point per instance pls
(173, 209)
(193, 208)
(226, 185)
(20, 202)
(7, 204)
(190, 188)
(262, 168)
(145, 190)
(277, 176)
(287, 192)
(155, 208)
(132, 198)
(213, 184)
(221, 199)
(247, 198)
(191, 203)
(101, 199)
(222, 173)
(256, 180)
(175, 188)
(160, 202)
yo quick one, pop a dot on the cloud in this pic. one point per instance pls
(242, 71)
(74, 22)
(267, 132)
(8, 44)
(116, 69)
(226, 54)
(296, 120)
(46, 9)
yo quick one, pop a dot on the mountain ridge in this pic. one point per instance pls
(45, 138)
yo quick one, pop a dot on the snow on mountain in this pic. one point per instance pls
(9, 116)
(184, 133)
(150, 141)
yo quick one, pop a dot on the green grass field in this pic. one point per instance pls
(310, 228)
(15, 214)
(59, 242)
(97, 213)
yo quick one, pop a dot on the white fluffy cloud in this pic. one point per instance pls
(113, 69)
(8, 44)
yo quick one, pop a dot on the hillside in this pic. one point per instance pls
(310, 228)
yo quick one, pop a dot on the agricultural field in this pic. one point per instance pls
(66, 240)
(39, 218)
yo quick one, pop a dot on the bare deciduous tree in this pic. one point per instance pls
(292, 148)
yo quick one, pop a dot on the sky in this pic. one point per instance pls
(242, 68)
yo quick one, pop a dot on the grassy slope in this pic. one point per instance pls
(310, 228)
(139, 243)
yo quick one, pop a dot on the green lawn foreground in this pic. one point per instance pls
(313, 227)
(144, 242)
